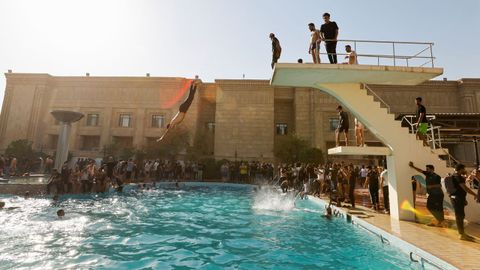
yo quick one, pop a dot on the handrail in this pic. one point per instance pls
(381, 41)
(436, 143)
(385, 56)
(377, 96)
(428, 50)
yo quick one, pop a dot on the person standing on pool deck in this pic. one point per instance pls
(342, 126)
(276, 49)
(422, 123)
(435, 193)
(182, 111)
(372, 182)
(384, 184)
(459, 199)
(315, 39)
(329, 32)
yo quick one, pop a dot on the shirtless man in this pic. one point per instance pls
(182, 111)
(359, 133)
(351, 56)
(315, 40)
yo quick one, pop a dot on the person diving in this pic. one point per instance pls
(182, 111)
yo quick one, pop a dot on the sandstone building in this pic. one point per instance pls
(243, 118)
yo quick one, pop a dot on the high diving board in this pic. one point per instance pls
(303, 75)
(360, 151)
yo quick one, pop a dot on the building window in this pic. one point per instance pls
(211, 127)
(158, 121)
(92, 119)
(125, 120)
(282, 129)
(90, 143)
(333, 123)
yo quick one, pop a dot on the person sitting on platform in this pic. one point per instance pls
(351, 56)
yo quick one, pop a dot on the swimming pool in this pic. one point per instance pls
(191, 227)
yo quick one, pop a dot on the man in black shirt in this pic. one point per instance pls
(372, 182)
(435, 193)
(329, 32)
(459, 199)
(342, 126)
(276, 49)
(422, 123)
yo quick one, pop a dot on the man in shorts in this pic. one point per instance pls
(422, 123)
(314, 48)
(342, 126)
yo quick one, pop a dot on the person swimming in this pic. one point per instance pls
(60, 213)
(2, 206)
(182, 111)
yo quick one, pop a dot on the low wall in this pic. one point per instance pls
(20, 189)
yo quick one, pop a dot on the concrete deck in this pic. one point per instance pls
(360, 151)
(301, 75)
(442, 243)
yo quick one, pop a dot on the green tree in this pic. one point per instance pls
(293, 149)
(175, 143)
(21, 149)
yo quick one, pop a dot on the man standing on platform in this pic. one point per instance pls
(329, 31)
(276, 49)
(342, 126)
(315, 40)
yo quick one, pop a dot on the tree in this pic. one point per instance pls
(21, 149)
(175, 143)
(293, 149)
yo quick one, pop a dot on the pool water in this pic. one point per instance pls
(191, 227)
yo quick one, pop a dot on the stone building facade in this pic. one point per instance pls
(241, 119)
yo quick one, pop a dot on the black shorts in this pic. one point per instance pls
(414, 185)
(343, 129)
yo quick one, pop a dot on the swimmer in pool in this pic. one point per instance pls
(2, 206)
(182, 111)
(60, 213)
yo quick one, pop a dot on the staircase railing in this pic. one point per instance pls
(369, 90)
(434, 138)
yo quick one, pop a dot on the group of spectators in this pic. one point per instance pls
(87, 175)
(247, 172)
(10, 166)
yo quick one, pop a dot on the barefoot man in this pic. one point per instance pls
(183, 108)
(315, 40)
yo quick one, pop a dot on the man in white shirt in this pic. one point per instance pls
(384, 184)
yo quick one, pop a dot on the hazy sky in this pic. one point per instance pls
(217, 38)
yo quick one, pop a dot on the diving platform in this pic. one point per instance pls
(346, 83)
(359, 151)
(304, 75)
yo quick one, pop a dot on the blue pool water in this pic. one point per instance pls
(214, 227)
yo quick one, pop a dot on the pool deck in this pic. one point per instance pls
(442, 243)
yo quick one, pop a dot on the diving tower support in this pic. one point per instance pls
(345, 83)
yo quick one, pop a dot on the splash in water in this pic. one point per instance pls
(271, 199)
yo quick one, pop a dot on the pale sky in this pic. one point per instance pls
(217, 39)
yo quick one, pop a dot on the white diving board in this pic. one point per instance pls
(360, 151)
(306, 75)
